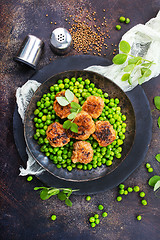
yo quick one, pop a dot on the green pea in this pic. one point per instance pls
(66, 80)
(92, 219)
(29, 178)
(42, 132)
(79, 79)
(122, 19)
(100, 207)
(142, 194)
(97, 221)
(87, 81)
(121, 186)
(104, 214)
(127, 20)
(121, 192)
(93, 224)
(96, 216)
(88, 198)
(125, 192)
(53, 217)
(119, 198)
(108, 163)
(136, 189)
(139, 217)
(36, 112)
(148, 165)
(130, 189)
(150, 170)
(144, 202)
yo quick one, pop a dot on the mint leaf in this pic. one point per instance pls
(62, 101)
(75, 105)
(44, 194)
(72, 115)
(152, 181)
(146, 64)
(135, 60)
(129, 68)
(119, 59)
(157, 185)
(74, 128)
(125, 77)
(157, 102)
(67, 124)
(124, 47)
(141, 80)
(61, 196)
(158, 157)
(69, 95)
(158, 122)
(68, 202)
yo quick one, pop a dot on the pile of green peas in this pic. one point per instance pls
(45, 115)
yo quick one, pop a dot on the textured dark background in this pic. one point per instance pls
(23, 214)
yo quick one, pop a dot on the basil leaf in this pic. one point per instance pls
(157, 102)
(158, 157)
(141, 80)
(75, 105)
(53, 191)
(69, 95)
(61, 196)
(158, 122)
(146, 72)
(157, 185)
(67, 124)
(44, 194)
(68, 202)
(62, 101)
(119, 59)
(152, 181)
(125, 77)
(74, 128)
(146, 64)
(72, 115)
(124, 46)
(129, 68)
(135, 60)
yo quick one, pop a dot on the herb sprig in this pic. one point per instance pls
(133, 62)
(76, 108)
(63, 194)
(157, 104)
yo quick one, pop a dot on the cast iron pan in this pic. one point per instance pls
(79, 175)
(142, 138)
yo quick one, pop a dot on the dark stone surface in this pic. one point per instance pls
(23, 214)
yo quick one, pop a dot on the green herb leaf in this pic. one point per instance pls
(158, 122)
(129, 80)
(146, 64)
(69, 95)
(68, 202)
(62, 101)
(141, 80)
(135, 60)
(72, 115)
(157, 102)
(37, 188)
(129, 68)
(44, 194)
(152, 181)
(158, 157)
(157, 185)
(125, 77)
(67, 124)
(75, 105)
(53, 191)
(69, 194)
(67, 190)
(124, 46)
(119, 59)
(61, 196)
(146, 72)
(74, 128)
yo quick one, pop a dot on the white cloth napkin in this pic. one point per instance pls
(144, 41)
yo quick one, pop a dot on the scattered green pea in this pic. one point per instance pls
(96, 216)
(119, 198)
(130, 189)
(150, 170)
(136, 189)
(97, 221)
(122, 19)
(92, 219)
(104, 214)
(127, 20)
(125, 192)
(88, 198)
(53, 217)
(29, 178)
(121, 192)
(144, 202)
(142, 194)
(100, 207)
(148, 165)
(139, 217)
(118, 27)
(93, 224)
(121, 186)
